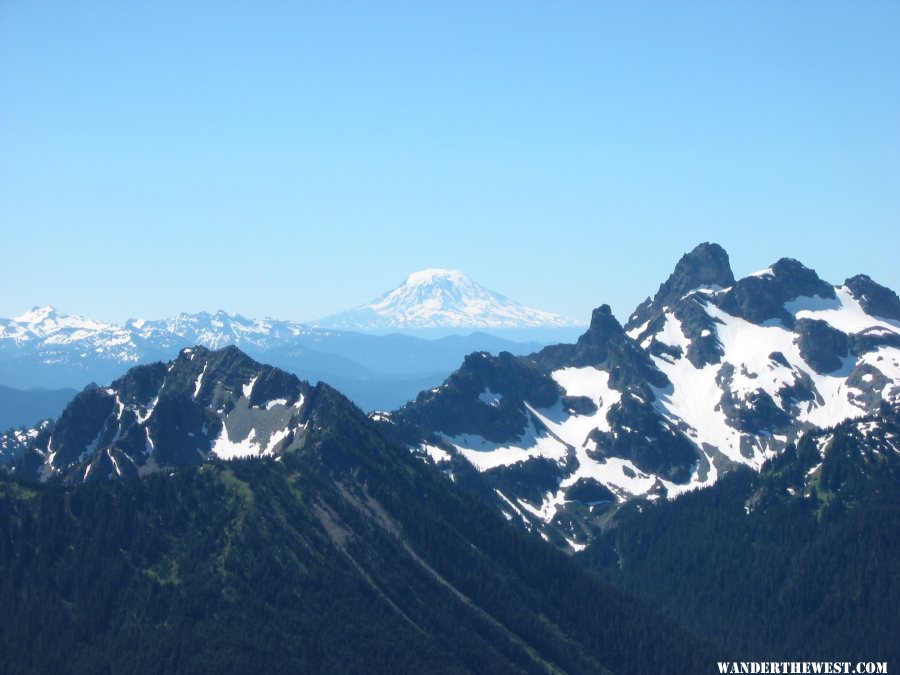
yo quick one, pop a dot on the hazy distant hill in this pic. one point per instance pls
(27, 407)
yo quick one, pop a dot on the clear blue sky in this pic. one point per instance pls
(294, 159)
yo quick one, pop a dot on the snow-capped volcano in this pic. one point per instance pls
(441, 298)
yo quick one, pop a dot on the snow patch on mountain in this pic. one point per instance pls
(844, 313)
(224, 447)
(484, 454)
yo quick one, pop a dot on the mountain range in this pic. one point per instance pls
(709, 374)
(334, 550)
(413, 338)
(46, 348)
(724, 466)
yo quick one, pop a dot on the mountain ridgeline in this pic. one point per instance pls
(202, 405)
(708, 375)
(46, 348)
(362, 351)
(334, 550)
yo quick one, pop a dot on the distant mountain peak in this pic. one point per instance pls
(37, 315)
(443, 298)
(44, 321)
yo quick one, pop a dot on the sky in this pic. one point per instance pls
(294, 159)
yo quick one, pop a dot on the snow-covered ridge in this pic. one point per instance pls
(212, 330)
(710, 374)
(218, 330)
(45, 347)
(441, 298)
(47, 322)
(55, 338)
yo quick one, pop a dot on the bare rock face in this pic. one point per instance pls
(761, 297)
(707, 266)
(874, 298)
(821, 346)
